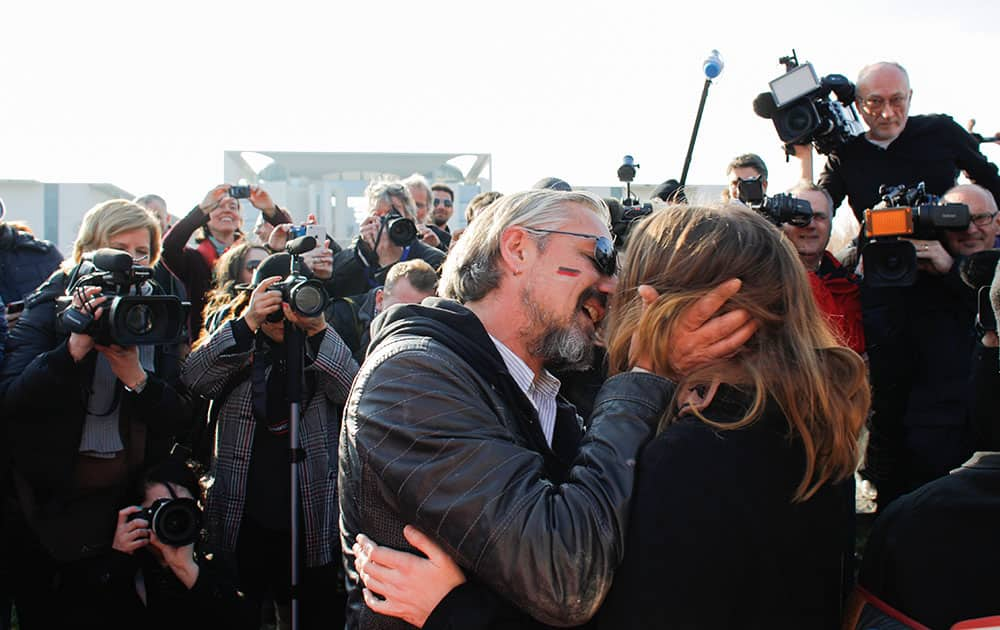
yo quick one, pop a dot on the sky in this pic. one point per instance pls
(148, 96)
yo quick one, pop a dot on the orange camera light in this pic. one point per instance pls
(888, 222)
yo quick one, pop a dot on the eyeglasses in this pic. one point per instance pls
(874, 104)
(445, 202)
(138, 259)
(605, 257)
(982, 220)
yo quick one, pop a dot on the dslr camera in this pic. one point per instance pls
(401, 230)
(130, 318)
(307, 296)
(908, 212)
(800, 107)
(176, 522)
(779, 209)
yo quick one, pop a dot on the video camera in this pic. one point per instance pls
(307, 296)
(632, 209)
(176, 522)
(800, 107)
(908, 212)
(779, 209)
(129, 319)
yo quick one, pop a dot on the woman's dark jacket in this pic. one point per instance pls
(212, 603)
(715, 540)
(25, 262)
(45, 400)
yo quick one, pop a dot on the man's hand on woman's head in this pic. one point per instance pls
(700, 337)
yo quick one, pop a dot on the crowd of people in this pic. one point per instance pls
(525, 423)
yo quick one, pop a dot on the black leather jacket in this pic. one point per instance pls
(436, 434)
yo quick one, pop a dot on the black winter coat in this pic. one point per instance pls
(45, 400)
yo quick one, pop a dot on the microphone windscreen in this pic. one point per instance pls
(108, 259)
(764, 105)
(977, 269)
(301, 245)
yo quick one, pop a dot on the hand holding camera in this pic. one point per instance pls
(932, 257)
(311, 325)
(87, 303)
(214, 197)
(130, 533)
(262, 303)
(259, 198)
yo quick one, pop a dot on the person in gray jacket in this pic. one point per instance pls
(454, 424)
(242, 368)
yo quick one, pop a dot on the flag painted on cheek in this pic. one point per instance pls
(568, 271)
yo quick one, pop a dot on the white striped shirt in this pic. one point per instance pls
(541, 389)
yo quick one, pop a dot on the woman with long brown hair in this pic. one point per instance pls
(743, 511)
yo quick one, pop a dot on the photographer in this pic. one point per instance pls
(83, 419)
(25, 262)
(241, 367)
(182, 587)
(933, 553)
(898, 148)
(219, 221)
(921, 341)
(364, 266)
(746, 167)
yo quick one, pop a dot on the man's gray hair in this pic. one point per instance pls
(806, 185)
(387, 190)
(972, 189)
(472, 268)
(145, 200)
(863, 74)
(419, 181)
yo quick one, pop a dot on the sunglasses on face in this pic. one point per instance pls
(252, 265)
(445, 202)
(605, 257)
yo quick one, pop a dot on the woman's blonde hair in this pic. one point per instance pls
(793, 358)
(112, 217)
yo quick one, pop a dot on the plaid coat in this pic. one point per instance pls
(207, 372)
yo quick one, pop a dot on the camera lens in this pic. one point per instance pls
(798, 120)
(402, 231)
(139, 319)
(309, 298)
(176, 522)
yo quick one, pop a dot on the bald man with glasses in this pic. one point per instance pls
(899, 148)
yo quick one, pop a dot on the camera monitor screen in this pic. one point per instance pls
(793, 84)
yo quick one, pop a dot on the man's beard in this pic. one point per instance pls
(567, 346)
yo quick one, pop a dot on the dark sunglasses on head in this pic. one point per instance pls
(446, 202)
(605, 256)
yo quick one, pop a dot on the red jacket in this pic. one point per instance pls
(838, 294)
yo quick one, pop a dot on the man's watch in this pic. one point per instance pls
(141, 386)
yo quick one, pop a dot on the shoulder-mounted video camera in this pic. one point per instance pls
(779, 209)
(800, 107)
(904, 212)
(129, 318)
